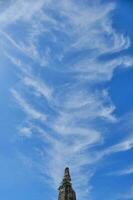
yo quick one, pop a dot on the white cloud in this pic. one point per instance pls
(127, 171)
(29, 110)
(26, 131)
(124, 145)
(23, 67)
(28, 48)
(20, 10)
(39, 87)
(94, 71)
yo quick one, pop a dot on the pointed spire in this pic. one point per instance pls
(67, 174)
(66, 191)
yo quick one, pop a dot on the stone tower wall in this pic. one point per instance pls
(66, 191)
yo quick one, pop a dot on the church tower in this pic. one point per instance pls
(66, 191)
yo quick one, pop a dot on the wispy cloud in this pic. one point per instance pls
(22, 10)
(26, 132)
(39, 87)
(124, 172)
(27, 108)
(125, 145)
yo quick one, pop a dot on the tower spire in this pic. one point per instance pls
(66, 191)
(67, 174)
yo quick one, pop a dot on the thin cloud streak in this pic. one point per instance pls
(39, 87)
(123, 172)
(27, 108)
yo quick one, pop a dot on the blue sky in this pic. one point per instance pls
(66, 98)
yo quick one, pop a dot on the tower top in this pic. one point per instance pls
(67, 174)
(66, 191)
